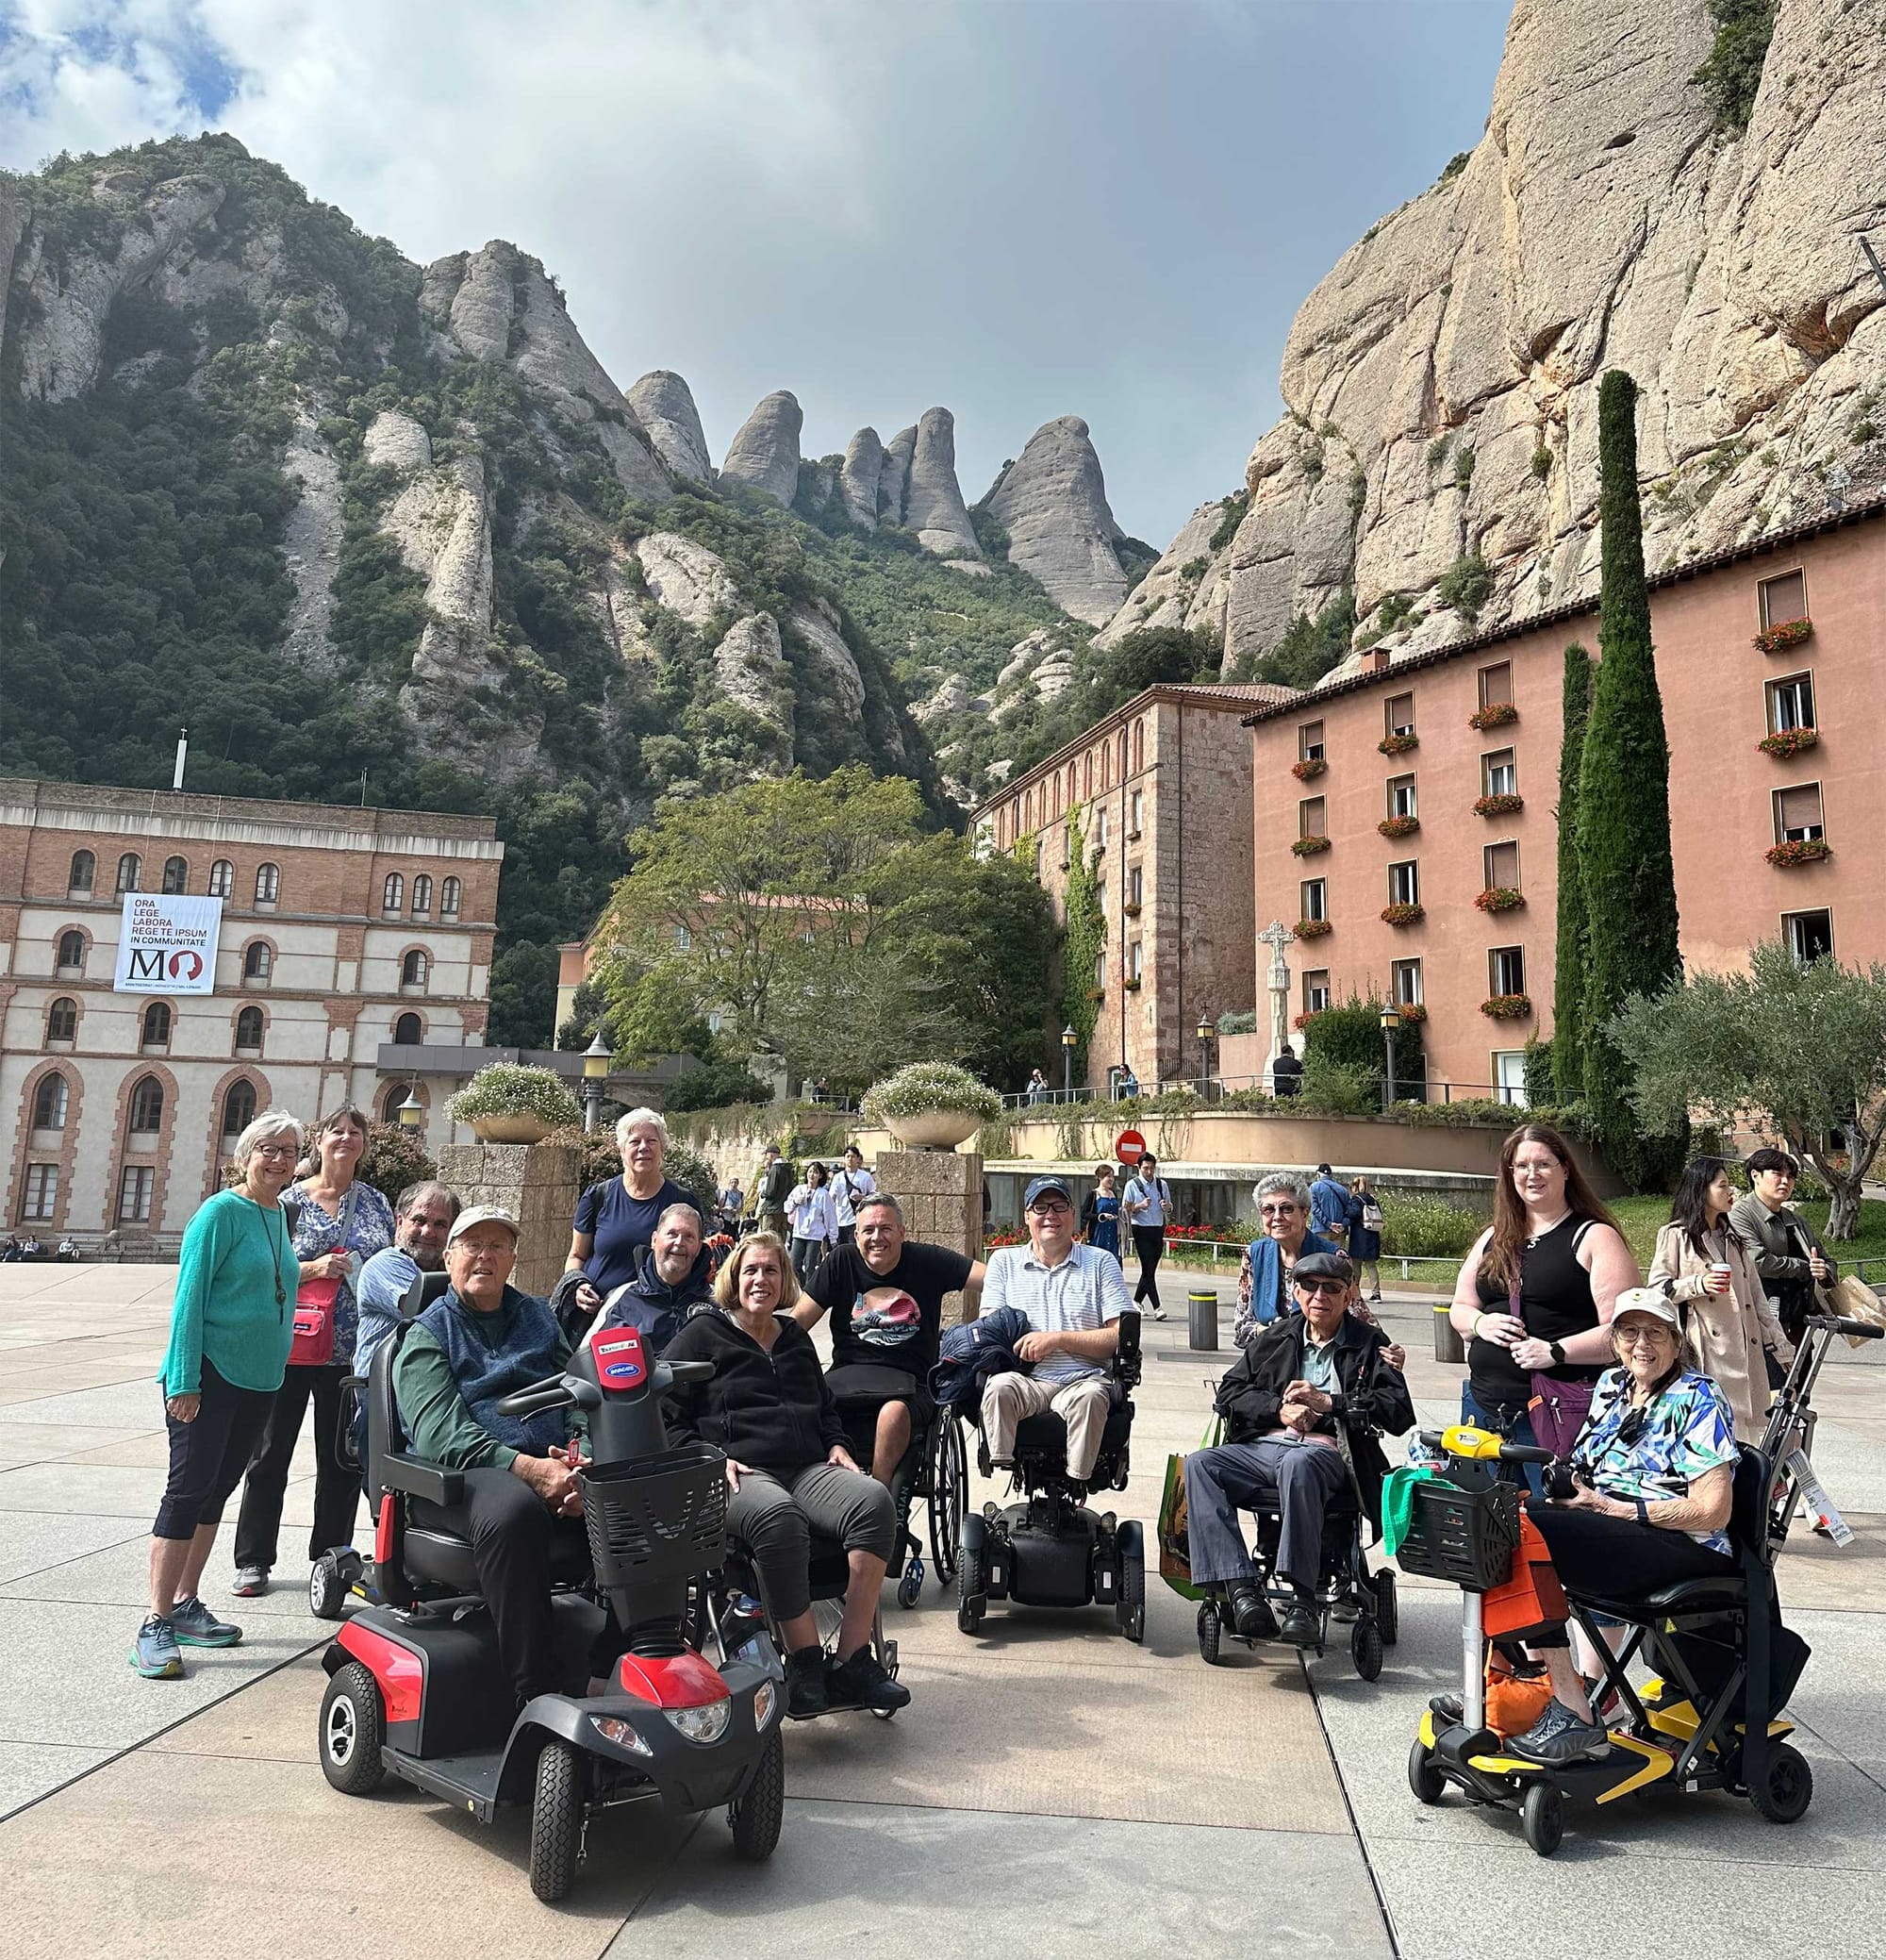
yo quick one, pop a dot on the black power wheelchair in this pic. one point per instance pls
(935, 1468)
(1053, 1549)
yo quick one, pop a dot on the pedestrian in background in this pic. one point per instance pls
(1283, 1201)
(772, 1189)
(1099, 1214)
(849, 1189)
(1364, 1236)
(1330, 1207)
(814, 1218)
(1147, 1203)
(1789, 1257)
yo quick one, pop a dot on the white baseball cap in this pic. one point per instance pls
(481, 1215)
(1646, 1300)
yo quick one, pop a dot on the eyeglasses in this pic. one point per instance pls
(289, 1151)
(1643, 1336)
(1050, 1207)
(1328, 1288)
(1276, 1211)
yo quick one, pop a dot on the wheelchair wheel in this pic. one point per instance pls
(1784, 1794)
(1366, 1648)
(910, 1586)
(1541, 1817)
(328, 1582)
(754, 1816)
(1209, 1633)
(949, 1496)
(352, 1721)
(556, 1821)
(1131, 1608)
(1387, 1608)
(1424, 1780)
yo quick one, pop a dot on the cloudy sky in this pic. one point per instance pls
(1018, 208)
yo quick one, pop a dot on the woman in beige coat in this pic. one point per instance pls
(1703, 1262)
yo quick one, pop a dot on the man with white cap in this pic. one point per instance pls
(480, 1341)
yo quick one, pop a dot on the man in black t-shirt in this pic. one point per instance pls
(884, 1294)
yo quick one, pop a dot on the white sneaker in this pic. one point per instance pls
(251, 1581)
(1158, 1313)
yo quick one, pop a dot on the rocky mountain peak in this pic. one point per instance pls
(932, 500)
(664, 404)
(1052, 502)
(765, 454)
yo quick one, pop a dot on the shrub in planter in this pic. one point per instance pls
(1398, 744)
(1495, 715)
(1312, 928)
(1308, 770)
(1507, 1006)
(1790, 633)
(1785, 856)
(393, 1159)
(1498, 806)
(1240, 1020)
(1790, 741)
(505, 1090)
(1398, 826)
(1402, 915)
(921, 1088)
(1309, 846)
(1500, 897)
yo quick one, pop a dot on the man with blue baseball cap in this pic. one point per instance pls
(1073, 1295)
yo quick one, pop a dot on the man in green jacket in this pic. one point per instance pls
(478, 1342)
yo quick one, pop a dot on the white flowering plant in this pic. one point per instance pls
(921, 1086)
(508, 1089)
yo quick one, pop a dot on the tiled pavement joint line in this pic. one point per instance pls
(656, 1880)
(1077, 1817)
(1349, 1810)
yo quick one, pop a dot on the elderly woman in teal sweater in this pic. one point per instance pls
(232, 1323)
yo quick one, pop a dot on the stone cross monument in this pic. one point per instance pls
(1277, 936)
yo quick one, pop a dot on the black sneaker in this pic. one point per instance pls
(806, 1693)
(1299, 1625)
(862, 1683)
(1251, 1616)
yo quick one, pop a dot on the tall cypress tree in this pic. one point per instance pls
(1624, 806)
(1568, 970)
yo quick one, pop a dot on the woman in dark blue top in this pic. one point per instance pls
(616, 1219)
(1100, 1216)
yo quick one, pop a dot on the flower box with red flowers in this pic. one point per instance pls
(1399, 744)
(1508, 806)
(1096, 993)
(1799, 851)
(1411, 1011)
(1309, 846)
(1500, 897)
(1312, 928)
(1497, 714)
(1131, 907)
(1131, 986)
(1790, 633)
(1403, 914)
(1507, 1006)
(1309, 768)
(1790, 741)
(1398, 826)
(1304, 1020)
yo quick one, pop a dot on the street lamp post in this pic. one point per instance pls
(1070, 1040)
(1391, 1019)
(596, 1060)
(1205, 1033)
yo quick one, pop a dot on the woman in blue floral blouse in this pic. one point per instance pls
(342, 1222)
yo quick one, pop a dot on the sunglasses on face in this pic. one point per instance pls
(1277, 1211)
(1325, 1289)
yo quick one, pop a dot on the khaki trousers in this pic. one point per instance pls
(1082, 1405)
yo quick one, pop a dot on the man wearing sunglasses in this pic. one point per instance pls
(1301, 1406)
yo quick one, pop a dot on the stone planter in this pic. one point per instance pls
(509, 1129)
(934, 1129)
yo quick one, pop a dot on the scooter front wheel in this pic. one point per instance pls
(556, 1821)
(1424, 1780)
(1541, 1817)
(757, 1814)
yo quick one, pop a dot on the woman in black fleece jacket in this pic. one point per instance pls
(767, 1405)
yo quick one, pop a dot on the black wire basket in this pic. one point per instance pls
(655, 1519)
(1466, 1536)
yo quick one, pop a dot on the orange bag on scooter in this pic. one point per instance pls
(1514, 1701)
(1531, 1596)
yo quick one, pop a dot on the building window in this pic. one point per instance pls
(1499, 774)
(1315, 990)
(1100, 830)
(407, 1032)
(1088, 775)
(421, 894)
(1136, 813)
(176, 876)
(1500, 864)
(221, 878)
(1312, 819)
(1791, 704)
(1135, 887)
(1101, 969)
(1809, 935)
(1055, 803)
(413, 970)
(147, 1107)
(63, 1020)
(156, 1029)
(49, 1104)
(268, 884)
(1783, 599)
(1140, 745)
(71, 952)
(259, 962)
(448, 899)
(1508, 1076)
(1797, 815)
(393, 894)
(684, 940)
(1404, 883)
(1506, 970)
(1496, 684)
(1135, 965)
(249, 1030)
(134, 1194)
(1401, 796)
(129, 869)
(42, 1198)
(1310, 741)
(1041, 859)
(389, 1103)
(1404, 983)
(238, 1109)
(79, 879)
(1314, 898)
(1400, 714)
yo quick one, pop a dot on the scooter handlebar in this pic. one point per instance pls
(556, 1391)
(685, 1370)
(1436, 1440)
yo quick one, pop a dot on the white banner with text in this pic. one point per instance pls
(167, 943)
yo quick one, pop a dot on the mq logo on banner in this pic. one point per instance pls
(167, 943)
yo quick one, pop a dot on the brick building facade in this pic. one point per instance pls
(342, 931)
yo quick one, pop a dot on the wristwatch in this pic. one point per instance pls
(1642, 1512)
(1558, 1353)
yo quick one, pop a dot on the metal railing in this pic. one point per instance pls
(1210, 1089)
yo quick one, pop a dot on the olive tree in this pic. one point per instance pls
(1796, 1050)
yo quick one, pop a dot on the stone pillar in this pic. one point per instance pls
(941, 1193)
(538, 1183)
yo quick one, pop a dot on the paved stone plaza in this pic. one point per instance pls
(1051, 1791)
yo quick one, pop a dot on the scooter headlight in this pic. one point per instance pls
(613, 1728)
(706, 1724)
(766, 1698)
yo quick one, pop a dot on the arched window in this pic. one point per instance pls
(394, 892)
(389, 1103)
(421, 894)
(413, 968)
(63, 1020)
(238, 1108)
(1140, 745)
(84, 868)
(156, 1026)
(1106, 765)
(221, 878)
(1122, 755)
(147, 1107)
(258, 960)
(249, 1030)
(268, 884)
(71, 952)
(1087, 776)
(176, 874)
(448, 899)
(1055, 804)
(129, 869)
(407, 1031)
(49, 1104)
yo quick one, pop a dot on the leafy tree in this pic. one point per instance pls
(1347, 1034)
(1309, 647)
(1568, 971)
(1084, 938)
(523, 996)
(1731, 77)
(1623, 807)
(1794, 1051)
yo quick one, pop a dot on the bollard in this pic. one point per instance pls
(1447, 1343)
(1201, 1315)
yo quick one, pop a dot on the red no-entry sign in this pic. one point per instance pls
(1128, 1146)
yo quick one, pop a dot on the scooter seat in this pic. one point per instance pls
(443, 1556)
(1722, 1595)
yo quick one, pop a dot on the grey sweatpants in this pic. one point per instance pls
(774, 1517)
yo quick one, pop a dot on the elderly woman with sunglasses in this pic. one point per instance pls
(1263, 1274)
(1653, 1478)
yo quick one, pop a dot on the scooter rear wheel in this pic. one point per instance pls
(556, 1821)
(1541, 1817)
(754, 1816)
(1784, 1796)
